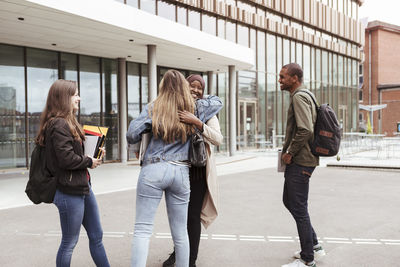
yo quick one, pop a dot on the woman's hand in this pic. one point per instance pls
(95, 162)
(189, 118)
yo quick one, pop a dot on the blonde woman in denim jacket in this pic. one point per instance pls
(165, 165)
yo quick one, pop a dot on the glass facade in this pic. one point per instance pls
(27, 73)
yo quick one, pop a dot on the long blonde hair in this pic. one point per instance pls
(174, 95)
(59, 105)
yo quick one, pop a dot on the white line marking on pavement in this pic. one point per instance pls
(390, 240)
(117, 236)
(216, 235)
(163, 236)
(251, 239)
(115, 233)
(224, 238)
(369, 243)
(252, 236)
(288, 237)
(31, 234)
(281, 240)
(364, 239)
(336, 238)
(395, 244)
(340, 242)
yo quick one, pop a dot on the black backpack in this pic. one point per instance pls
(326, 131)
(42, 185)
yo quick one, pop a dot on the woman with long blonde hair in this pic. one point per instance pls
(62, 136)
(165, 166)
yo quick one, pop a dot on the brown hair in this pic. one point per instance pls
(59, 105)
(174, 95)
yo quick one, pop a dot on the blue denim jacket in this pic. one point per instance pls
(158, 150)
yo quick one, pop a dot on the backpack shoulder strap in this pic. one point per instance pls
(312, 97)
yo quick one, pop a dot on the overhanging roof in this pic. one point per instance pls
(104, 28)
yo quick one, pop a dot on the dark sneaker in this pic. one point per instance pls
(170, 262)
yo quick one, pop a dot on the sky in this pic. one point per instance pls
(382, 10)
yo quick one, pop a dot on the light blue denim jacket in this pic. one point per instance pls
(158, 150)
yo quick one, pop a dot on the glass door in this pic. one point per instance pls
(247, 124)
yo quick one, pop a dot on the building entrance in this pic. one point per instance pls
(247, 124)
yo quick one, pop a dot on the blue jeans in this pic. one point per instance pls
(77, 210)
(295, 198)
(154, 179)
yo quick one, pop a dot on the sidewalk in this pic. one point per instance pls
(115, 177)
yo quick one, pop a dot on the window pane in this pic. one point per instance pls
(166, 10)
(299, 54)
(133, 3)
(68, 67)
(261, 51)
(209, 24)
(230, 31)
(222, 115)
(42, 73)
(271, 54)
(271, 104)
(89, 73)
(243, 35)
(221, 28)
(12, 107)
(194, 19)
(262, 136)
(110, 107)
(247, 84)
(148, 6)
(182, 15)
(286, 52)
(145, 86)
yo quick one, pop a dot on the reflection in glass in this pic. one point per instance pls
(68, 67)
(89, 74)
(262, 136)
(42, 72)
(247, 84)
(166, 10)
(299, 54)
(286, 52)
(12, 107)
(110, 107)
(222, 115)
(271, 104)
(261, 51)
(209, 24)
(271, 54)
(144, 85)
(194, 19)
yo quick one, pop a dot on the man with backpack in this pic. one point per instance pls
(300, 161)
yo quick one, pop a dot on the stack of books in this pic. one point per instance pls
(95, 137)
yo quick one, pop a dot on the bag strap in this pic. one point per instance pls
(312, 97)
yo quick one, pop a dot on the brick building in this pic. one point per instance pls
(381, 76)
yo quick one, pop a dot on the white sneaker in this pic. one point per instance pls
(300, 263)
(319, 252)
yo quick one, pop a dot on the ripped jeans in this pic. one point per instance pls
(295, 198)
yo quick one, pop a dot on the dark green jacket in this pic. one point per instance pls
(300, 123)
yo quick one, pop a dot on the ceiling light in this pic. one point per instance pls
(21, 18)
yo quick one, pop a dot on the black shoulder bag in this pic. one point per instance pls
(197, 149)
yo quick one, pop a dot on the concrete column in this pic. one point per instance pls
(122, 109)
(232, 110)
(210, 80)
(152, 71)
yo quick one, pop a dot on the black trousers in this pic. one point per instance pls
(198, 188)
(295, 198)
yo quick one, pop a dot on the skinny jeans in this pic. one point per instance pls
(295, 199)
(77, 210)
(154, 180)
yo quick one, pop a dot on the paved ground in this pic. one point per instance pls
(355, 213)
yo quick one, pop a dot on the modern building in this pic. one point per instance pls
(380, 87)
(117, 51)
